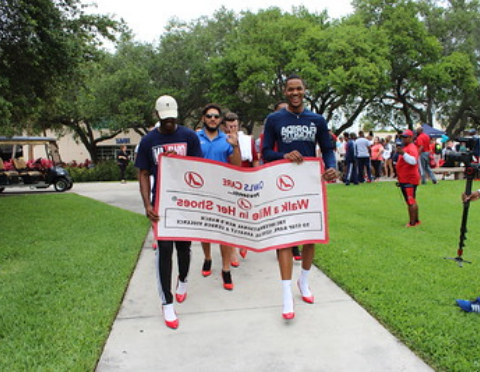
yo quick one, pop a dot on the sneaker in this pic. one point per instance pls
(469, 306)
(207, 268)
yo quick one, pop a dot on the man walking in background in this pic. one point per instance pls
(350, 161)
(362, 153)
(122, 162)
(423, 145)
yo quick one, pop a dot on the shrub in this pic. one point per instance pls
(104, 171)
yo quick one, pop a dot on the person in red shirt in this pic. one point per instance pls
(423, 144)
(408, 175)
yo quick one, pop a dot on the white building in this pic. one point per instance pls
(74, 150)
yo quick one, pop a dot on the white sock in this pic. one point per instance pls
(169, 313)
(287, 296)
(303, 283)
(181, 287)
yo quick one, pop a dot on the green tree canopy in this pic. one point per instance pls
(41, 44)
(427, 74)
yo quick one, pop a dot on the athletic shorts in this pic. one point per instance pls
(409, 192)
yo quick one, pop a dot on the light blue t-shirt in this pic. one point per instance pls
(217, 149)
(362, 146)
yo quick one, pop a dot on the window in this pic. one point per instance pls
(110, 152)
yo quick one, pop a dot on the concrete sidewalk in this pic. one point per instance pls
(241, 330)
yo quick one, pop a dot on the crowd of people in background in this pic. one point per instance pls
(368, 158)
(360, 157)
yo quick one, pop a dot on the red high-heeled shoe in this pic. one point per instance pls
(207, 268)
(180, 297)
(227, 280)
(307, 299)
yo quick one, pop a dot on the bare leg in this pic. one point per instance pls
(413, 213)
(207, 250)
(226, 252)
(285, 262)
(234, 257)
(308, 253)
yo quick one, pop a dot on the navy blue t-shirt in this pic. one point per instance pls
(183, 141)
(301, 132)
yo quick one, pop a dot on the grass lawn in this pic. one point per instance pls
(399, 275)
(65, 262)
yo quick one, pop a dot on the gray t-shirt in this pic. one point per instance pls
(361, 145)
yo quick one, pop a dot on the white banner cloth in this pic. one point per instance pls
(276, 205)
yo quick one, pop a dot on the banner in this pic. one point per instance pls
(276, 205)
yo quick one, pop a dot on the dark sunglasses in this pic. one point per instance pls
(209, 116)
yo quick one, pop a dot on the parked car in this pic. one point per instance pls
(32, 162)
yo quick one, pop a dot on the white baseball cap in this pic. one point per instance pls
(166, 107)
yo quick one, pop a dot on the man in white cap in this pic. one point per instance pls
(167, 138)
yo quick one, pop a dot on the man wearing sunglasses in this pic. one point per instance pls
(218, 146)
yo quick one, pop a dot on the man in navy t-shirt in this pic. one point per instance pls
(297, 131)
(167, 138)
